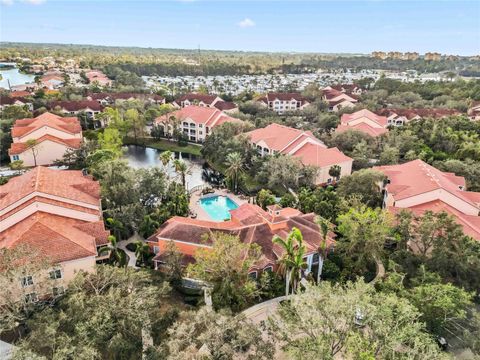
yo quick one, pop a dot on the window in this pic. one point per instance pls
(156, 249)
(31, 298)
(268, 269)
(15, 157)
(329, 181)
(200, 125)
(57, 291)
(200, 133)
(56, 274)
(27, 281)
(253, 274)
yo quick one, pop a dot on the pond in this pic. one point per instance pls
(198, 171)
(14, 76)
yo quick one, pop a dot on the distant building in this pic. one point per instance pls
(52, 82)
(279, 139)
(251, 224)
(364, 121)
(432, 56)
(53, 136)
(104, 98)
(90, 108)
(474, 111)
(205, 100)
(282, 102)
(196, 122)
(6, 101)
(56, 213)
(98, 77)
(411, 56)
(400, 117)
(338, 99)
(380, 55)
(419, 187)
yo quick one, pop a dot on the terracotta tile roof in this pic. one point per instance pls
(68, 184)
(279, 137)
(20, 147)
(469, 223)
(210, 117)
(253, 225)
(312, 154)
(272, 96)
(335, 95)
(23, 93)
(380, 120)
(55, 237)
(422, 113)
(76, 105)
(69, 125)
(362, 127)
(417, 177)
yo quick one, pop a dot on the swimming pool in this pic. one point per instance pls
(218, 207)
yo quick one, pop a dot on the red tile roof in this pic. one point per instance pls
(272, 96)
(312, 154)
(348, 121)
(210, 117)
(70, 125)
(225, 105)
(252, 225)
(279, 137)
(15, 94)
(362, 127)
(20, 147)
(68, 184)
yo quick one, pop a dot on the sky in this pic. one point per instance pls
(448, 27)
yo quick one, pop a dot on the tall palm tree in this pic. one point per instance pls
(335, 171)
(325, 227)
(292, 262)
(116, 226)
(148, 226)
(118, 256)
(234, 161)
(181, 169)
(142, 250)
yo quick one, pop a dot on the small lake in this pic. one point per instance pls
(145, 157)
(14, 76)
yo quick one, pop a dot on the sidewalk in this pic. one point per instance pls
(132, 258)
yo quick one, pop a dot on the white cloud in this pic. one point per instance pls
(245, 23)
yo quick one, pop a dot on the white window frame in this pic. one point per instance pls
(31, 298)
(54, 272)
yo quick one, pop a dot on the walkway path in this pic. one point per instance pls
(132, 258)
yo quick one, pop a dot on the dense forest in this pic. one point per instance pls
(173, 62)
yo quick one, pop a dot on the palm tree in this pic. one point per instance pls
(117, 255)
(116, 226)
(335, 171)
(325, 227)
(148, 226)
(292, 261)
(166, 157)
(141, 250)
(234, 161)
(181, 169)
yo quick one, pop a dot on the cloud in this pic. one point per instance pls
(245, 23)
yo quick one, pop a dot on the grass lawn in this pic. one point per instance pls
(165, 145)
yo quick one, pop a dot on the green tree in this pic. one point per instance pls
(142, 251)
(32, 146)
(226, 267)
(353, 321)
(148, 226)
(364, 183)
(292, 262)
(181, 169)
(265, 198)
(235, 168)
(110, 140)
(335, 172)
(364, 233)
(232, 337)
(166, 157)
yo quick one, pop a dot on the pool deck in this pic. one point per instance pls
(202, 214)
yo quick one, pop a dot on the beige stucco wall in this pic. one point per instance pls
(47, 152)
(70, 268)
(323, 176)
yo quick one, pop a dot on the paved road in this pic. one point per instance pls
(132, 258)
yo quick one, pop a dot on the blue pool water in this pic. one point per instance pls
(218, 207)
